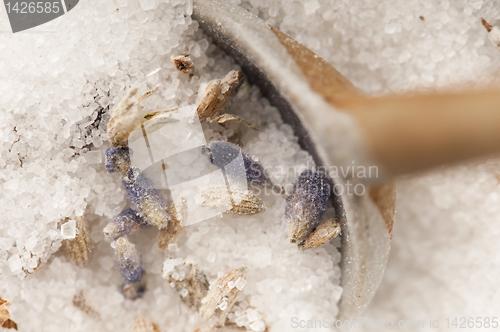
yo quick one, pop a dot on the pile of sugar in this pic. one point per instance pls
(444, 261)
(58, 79)
(392, 45)
(57, 84)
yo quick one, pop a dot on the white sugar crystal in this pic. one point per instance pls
(258, 326)
(311, 7)
(152, 68)
(31, 243)
(11, 185)
(170, 264)
(104, 101)
(242, 321)
(173, 247)
(147, 4)
(240, 283)
(68, 229)
(253, 315)
(184, 292)
(211, 257)
(323, 232)
(223, 305)
(94, 157)
(15, 264)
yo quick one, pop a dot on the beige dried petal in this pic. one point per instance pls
(170, 234)
(206, 329)
(184, 64)
(9, 324)
(223, 287)
(322, 234)
(488, 26)
(5, 320)
(217, 95)
(79, 249)
(207, 103)
(142, 324)
(4, 313)
(82, 302)
(192, 287)
(231, 117)
(126, 117)
(231, 200)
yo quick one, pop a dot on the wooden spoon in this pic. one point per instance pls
(342, 127)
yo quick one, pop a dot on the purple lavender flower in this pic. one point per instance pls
(145, 199)
(306, 204)
(224, 155)
(128, 261)
(123, 224)
(118, 159)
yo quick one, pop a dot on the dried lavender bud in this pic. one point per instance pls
(5, 320)
(178, 213)
(306, 204)
(118, 159)
(142, 324)
(79, 249)
(82, 302)
(231, 200)
(134, 290)
(222, 295)
(222, 154)
(322, 234)
(184, 64)
(123, 224)
(188, 281)
(145, 198)
(128, 260)
(217, 95)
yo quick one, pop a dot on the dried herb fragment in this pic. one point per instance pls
(222, 295)
(123, 224)
(488, 26)
(134, 290)
(178, 213)
(231, 117)
(306, 204)
(118, 160)
(82, 302)
(128, 260)
(188, 281)
(325, 232)
(5, 320)
(231, 200)
(217, 95)
(142, 324)
(184, 64)
(225, 156)
(79, 250)
(145, 199)
(493, 33)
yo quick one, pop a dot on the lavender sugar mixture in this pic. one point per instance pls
(81, 249)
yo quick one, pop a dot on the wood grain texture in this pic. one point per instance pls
(341, 94)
